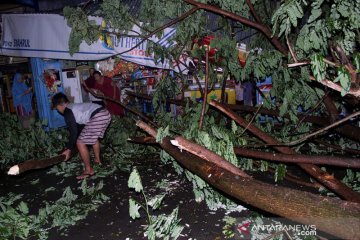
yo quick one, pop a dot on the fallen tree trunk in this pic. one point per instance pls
(323, 177)
(307, 208)
(289, 177)
(278, 157)
(35, 164)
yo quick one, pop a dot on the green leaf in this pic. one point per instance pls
(344, 79)
(134, 209)
(315, 14)
(156, 201)
(280, 172)
(162, 133)
(23, 207)
(318, 67)
(234, 126)
(135, 181)
(217, 133)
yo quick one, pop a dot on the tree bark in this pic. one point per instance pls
(207, 155)
(289, 177)
(35, 164)
(278, 157)
(331, 108)
(323, 177)
(307, 208)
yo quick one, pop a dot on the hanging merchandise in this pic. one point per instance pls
(51, 78)
(121, 67)
(243, 54)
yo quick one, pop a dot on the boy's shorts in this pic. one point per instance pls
(95, 128)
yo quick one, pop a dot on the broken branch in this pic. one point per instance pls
(207, 155)
(293, 204)
(35, 164)
(326, 179)
(278, 157)
(206, 89)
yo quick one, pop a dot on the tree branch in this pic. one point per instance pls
(286, 158)
(259, 26)
(206, 89)
(320, 131)
(323, 177)
(297, 205)
(35, 164)
(291, 50)
(337, 87)
(253, 11)
(172, 22)
(204, 153)
(346, 62)
(141, 115)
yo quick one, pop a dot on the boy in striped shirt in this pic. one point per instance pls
(87, 122)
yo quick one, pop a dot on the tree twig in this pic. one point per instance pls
(203, 110)
(253, 11)
(311, 111)
(320, 131)
(336, 147)
(252, 119)
(298, 158)
(141, 115)
(337, 87)
(291, 49)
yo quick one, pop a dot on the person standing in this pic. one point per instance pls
(22, 99)
(89, 83)
(87, 122)
(109, 89)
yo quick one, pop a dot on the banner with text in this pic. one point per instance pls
(47, 36)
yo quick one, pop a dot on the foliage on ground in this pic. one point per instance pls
(159, 226)
(16, 221)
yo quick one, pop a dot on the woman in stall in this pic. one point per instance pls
(22, 99)
(108, 88)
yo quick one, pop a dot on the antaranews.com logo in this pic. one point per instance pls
(261, 228)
